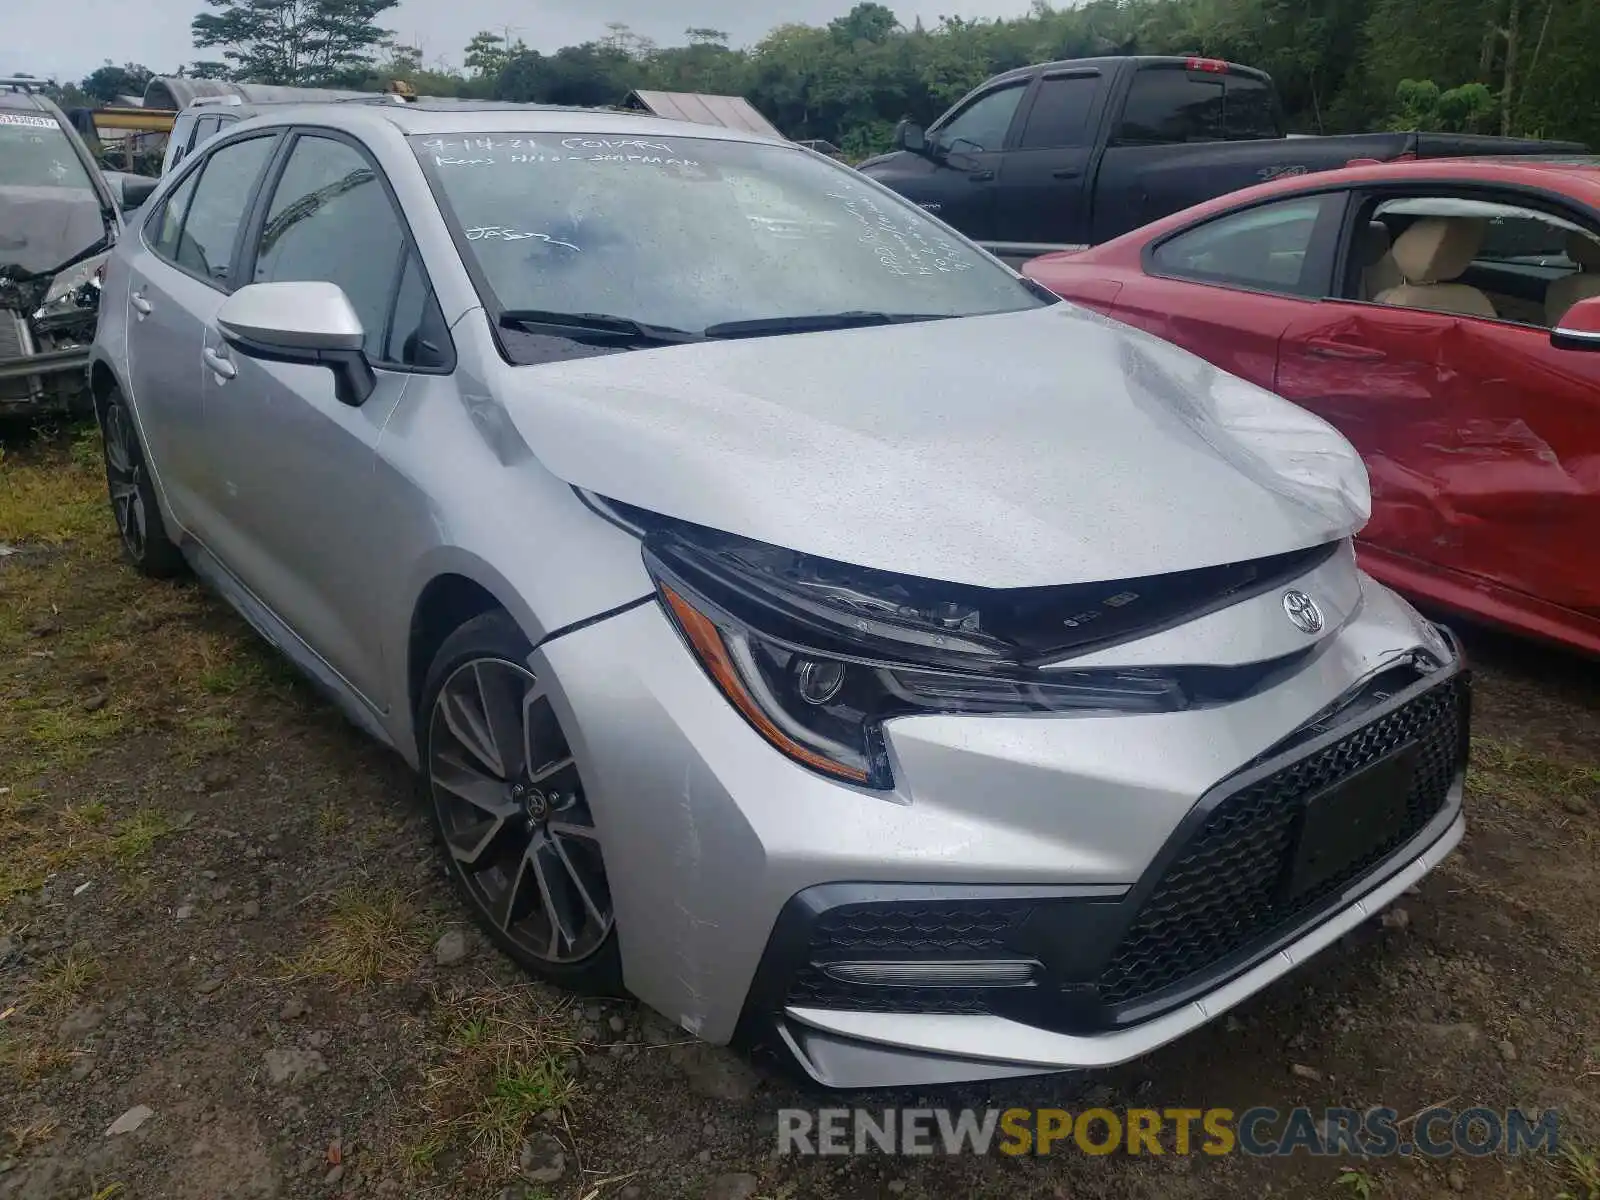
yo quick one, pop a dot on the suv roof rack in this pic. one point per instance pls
(25, 83)
(397, 93)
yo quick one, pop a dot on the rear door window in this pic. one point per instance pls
(1169, 104)
(1060, 112)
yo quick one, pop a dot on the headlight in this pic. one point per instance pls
(74, 293)
(817, 655)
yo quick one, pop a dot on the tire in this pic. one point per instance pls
(518, 836)
(140, 527)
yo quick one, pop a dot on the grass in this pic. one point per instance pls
(99, 656)
(28, 1049)
(1582, 1169)
(333, 819)
(368, 936)
(64, 980)
(54, 506)
(28, 1058)
(35, 1133)
(501, 1069)
(1499, 768)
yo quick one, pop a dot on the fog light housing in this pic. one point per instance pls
(949, 973)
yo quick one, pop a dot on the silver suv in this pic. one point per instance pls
(798, 620)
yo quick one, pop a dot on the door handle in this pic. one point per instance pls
(140, 304)
(1344, 351)
(981, 176)
(219, 364)
(1067, 173)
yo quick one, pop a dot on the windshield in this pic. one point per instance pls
(688, 233)
(35, 152)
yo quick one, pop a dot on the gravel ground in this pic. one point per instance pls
(231, 966)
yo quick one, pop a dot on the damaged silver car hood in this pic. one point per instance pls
(42, 228)
(1039, 447)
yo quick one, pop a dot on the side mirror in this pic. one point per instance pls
(310, 323)
(1579, 327)
(136, 189)
(910, 136)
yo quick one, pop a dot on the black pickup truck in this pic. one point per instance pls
(1069, 154)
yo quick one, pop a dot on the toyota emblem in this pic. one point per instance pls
(1303, 611)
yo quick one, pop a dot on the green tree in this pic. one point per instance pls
(1420, 105)
(294, 41)
(1518, 66)
(489, 53)
(104, 84)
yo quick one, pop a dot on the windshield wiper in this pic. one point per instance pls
(593, 325)
(814, 323)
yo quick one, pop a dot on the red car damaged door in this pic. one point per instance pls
(1481, 439)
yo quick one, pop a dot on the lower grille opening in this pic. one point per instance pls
(1224, 890)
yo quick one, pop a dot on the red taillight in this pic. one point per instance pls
(1215, 65)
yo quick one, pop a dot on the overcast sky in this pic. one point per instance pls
(66, 39)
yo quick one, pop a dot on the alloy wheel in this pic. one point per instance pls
(513, 814)
(125, 476)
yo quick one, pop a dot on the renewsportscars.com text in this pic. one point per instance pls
(1259, 1132)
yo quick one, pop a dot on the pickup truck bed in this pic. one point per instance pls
(1074, 153)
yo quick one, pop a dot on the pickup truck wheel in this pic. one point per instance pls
(140, 529)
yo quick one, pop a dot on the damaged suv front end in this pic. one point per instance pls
(58, 222)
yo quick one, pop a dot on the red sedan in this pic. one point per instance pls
(1435, 312)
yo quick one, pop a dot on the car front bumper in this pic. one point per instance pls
(1041, 841)
(850, 1049)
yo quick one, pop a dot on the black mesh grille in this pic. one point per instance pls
(13, 335)
(1223, 892)
(943, 930)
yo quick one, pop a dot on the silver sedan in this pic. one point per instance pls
(800, 622)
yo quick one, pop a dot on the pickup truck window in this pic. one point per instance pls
(1060, 113)
(1262, 248)
(984, 122)
(1168, 104)
(1250, 109)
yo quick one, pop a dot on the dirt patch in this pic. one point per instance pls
(217, 901)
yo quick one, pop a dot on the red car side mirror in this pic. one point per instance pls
(1579, 328)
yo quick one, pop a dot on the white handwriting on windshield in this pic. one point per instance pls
(587, 143)
(515, 158)
(504, 233)
(472, 145)
(900, 251)
(648, 159)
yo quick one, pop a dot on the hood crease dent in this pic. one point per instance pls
(1048, 446)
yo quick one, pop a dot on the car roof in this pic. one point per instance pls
(30, 101)
(1578, 174)
(1574, 176)
(442, 117)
